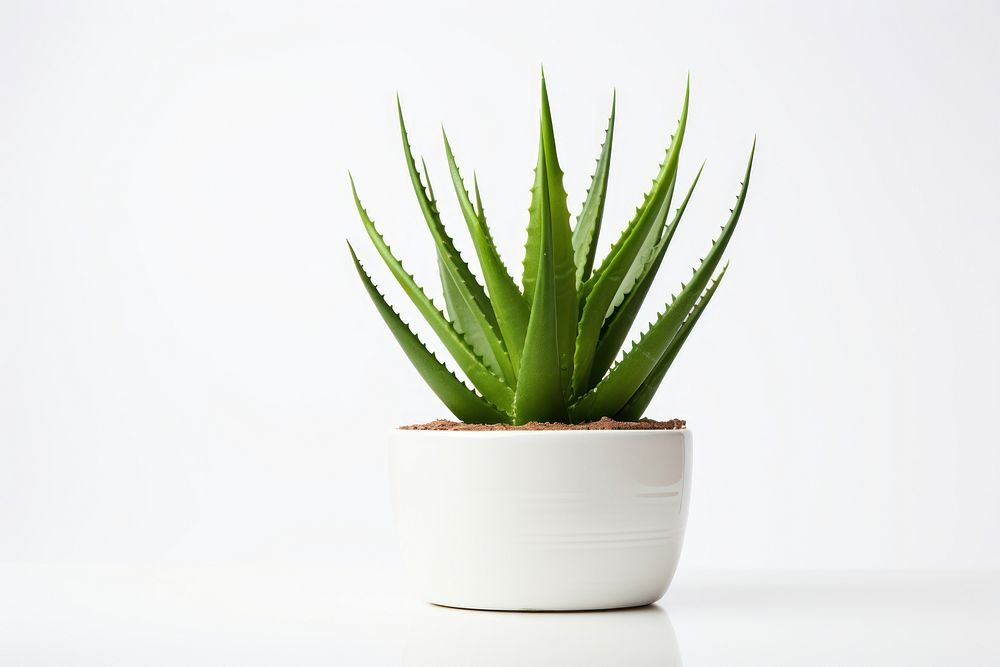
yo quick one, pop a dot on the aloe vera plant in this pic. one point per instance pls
(546, 350)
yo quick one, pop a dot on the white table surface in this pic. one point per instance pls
(55, 614)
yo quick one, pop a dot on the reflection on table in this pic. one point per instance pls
(442, 637)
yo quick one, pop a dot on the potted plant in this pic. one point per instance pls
(551, 493)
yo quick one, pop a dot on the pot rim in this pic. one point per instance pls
(648, 432)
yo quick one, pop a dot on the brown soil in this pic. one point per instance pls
(604, 424)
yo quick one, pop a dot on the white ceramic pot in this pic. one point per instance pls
(541, 520)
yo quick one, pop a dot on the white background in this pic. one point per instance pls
(190, 370)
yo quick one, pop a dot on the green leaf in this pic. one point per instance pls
(637, 405)
(479, 201)
(472, 294)
(651, 200)
(508, 303)
(493, 388)
(603, 287)
(462, 317)
(540, 389)
(548, 193)
(462, 401)
(619, 322)
(647, 250)
(611, 394)
(588, 224)
(464, 321)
